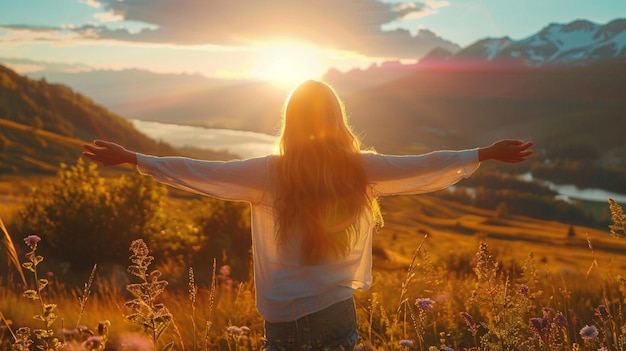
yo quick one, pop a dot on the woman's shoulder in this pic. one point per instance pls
(370, 156)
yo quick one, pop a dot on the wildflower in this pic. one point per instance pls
(539, 326)
(560, 320)
(103, 327)
(67, 334)
(245, 330)
(442, 298)
(471, 323)
(524, 289)
(406, 343)
(589, 332)
(139, 248)
(424, 304)
(32, 241)
(602, 312)
(132, 342)
(486, 266)
(92, 342)
(234, 330)
(618, 228)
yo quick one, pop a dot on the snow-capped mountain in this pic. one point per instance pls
(577, 41)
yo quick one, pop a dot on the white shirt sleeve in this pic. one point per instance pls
(238, 180)
(400, 175)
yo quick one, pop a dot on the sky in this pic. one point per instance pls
(274, 39)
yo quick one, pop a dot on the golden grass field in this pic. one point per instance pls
(451, 229)
(455, 228)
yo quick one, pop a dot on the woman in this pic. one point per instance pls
(314, 210)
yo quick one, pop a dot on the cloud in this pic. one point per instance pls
(108, 17)
(334, 24)
(345, 25)
(26, 33)
(92, 3)
(27, 66)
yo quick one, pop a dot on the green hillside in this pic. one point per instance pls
(42, 125)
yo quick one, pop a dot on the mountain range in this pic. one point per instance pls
(571, 43)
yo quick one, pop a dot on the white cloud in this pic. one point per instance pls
(333, 24)
(109, 16)
(21, 34)
(93, 3)
(345, 25)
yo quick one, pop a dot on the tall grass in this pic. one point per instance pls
(493, 305)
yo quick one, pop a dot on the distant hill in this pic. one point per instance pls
(42, 125)
(462, 104)
(186, 99)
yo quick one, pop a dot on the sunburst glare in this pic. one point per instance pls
(287, 63)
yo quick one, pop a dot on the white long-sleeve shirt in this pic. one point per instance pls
(285, 289)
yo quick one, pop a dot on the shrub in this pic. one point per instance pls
(224, 235)
(89, 219)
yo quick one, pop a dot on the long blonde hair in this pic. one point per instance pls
(321, 182)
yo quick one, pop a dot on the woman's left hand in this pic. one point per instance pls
(108, 153)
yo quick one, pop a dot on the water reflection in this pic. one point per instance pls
(246, 144)
(570, 191)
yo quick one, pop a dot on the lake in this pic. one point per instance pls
(251, 144)
(243, 143)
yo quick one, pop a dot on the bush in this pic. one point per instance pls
(89, 219)
(224, 235)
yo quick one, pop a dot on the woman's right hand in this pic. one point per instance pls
(108, 153)
(510, 151)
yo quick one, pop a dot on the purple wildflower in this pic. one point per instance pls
(67, 333)
(560, 320)
(406, 343)
(589, 332)
(32, 241)
(524, 289)
(93, 342)
(539, 326)
(471, 323)
(425, 304)
(234, 330)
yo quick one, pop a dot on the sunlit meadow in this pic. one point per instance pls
(488, 304)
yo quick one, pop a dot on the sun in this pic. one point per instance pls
(287, 63)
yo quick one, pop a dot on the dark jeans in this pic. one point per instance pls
(331, 329)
